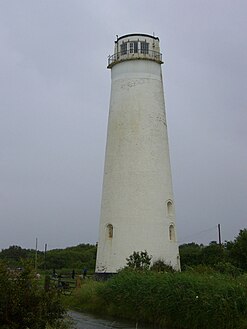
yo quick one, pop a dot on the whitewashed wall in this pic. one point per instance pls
(137, 198)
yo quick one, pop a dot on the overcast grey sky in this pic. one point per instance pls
(54, 101)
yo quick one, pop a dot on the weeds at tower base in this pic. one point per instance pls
(168, 300)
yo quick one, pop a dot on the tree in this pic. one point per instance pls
(237, 250)
(213, 254)
(190, 254)
(139, 260)
(14, 255)
(76, 257)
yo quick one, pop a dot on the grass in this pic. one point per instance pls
(173, 300)
(87, 298)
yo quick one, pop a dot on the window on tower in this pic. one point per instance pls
(169, 208)
(110, 230)
(133, 47)
(123, 48)
(171, 233)
(144, 47)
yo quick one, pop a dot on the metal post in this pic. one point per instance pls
(219, 233)
(45, 256)
(36, 255)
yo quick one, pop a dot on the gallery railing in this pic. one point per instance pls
(140, 54)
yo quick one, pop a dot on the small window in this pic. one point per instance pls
(171, 233)
(169, 208)
(123, 48)
(133, 47)
(110, 230)
(144, 47)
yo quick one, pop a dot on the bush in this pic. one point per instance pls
(87, 298)
(24, 303)
(228, 268)
(139, 260)
(160, 266)
(177, 300)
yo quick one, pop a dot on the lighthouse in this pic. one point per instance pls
(137, 208)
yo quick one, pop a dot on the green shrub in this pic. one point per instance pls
(179, 300)
(24, 304)
(87, 298)
(228, 268)
(160, 266)
(139, 260)
(201, 269)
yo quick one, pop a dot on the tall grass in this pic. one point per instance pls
(173, 300)
(87, 298)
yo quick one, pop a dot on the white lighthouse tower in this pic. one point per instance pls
(137, 210)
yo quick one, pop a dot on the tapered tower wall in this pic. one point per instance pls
(137, 211)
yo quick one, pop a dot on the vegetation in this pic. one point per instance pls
(210, 292)
(233, 254)
(87, 298)
(139, 260)
(25, 304)
(168, 300)
(78, 257)
(161, 267)
(237, 250)
(14, 255)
